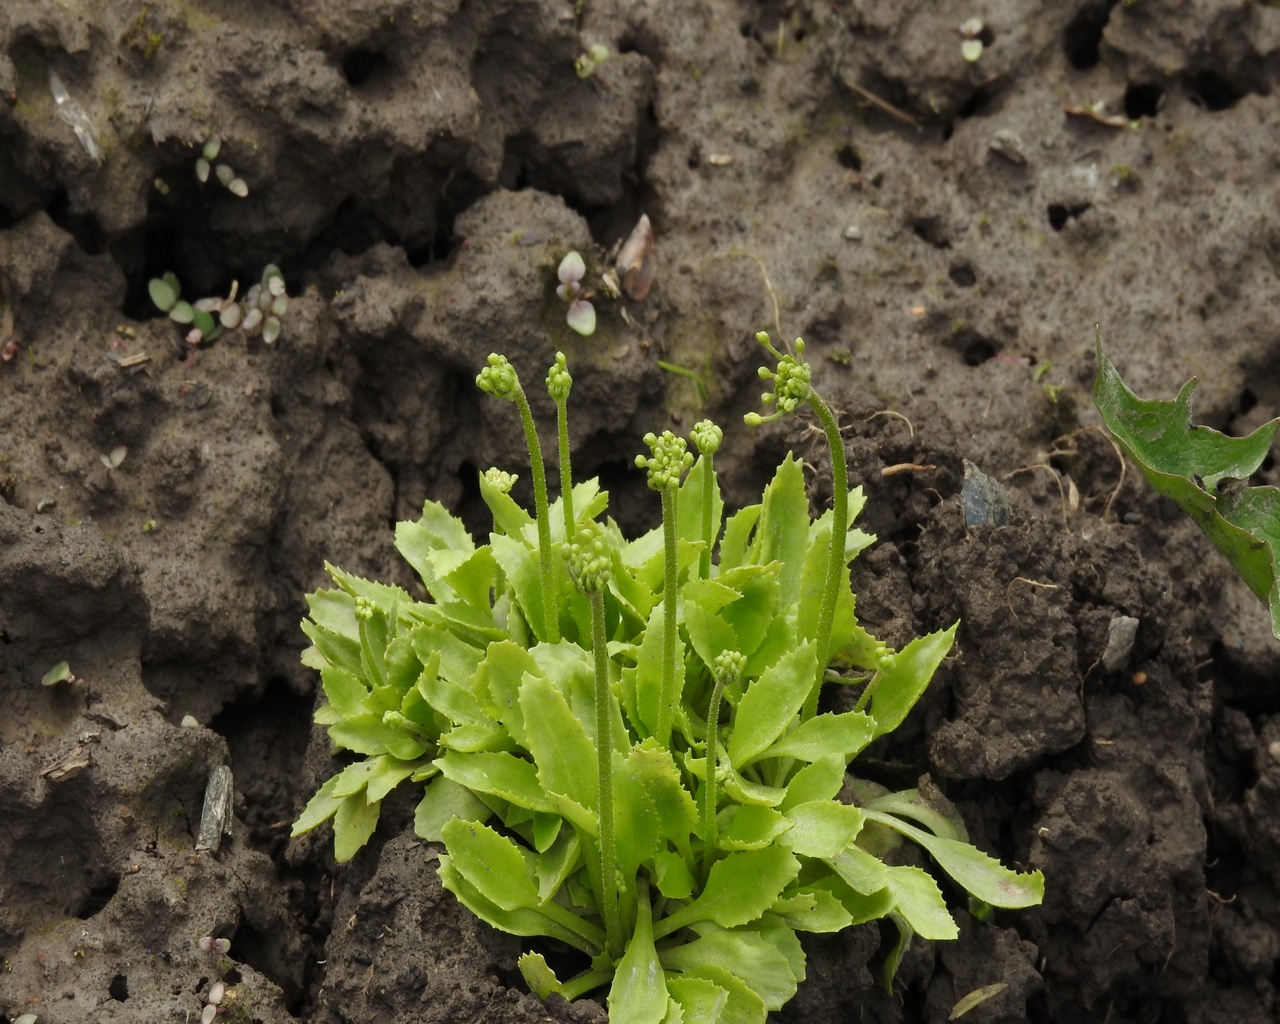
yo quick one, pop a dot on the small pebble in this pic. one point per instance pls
(1273, 748)
(853, 233)
(1008, 144)
(44, 505)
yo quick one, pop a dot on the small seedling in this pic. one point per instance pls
(60, 673)
(225, 175)
(972, 39)
(260, 310)
(582, 315)
(587, 64)
(116, 456)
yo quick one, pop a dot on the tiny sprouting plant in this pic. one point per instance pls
(971, 39)
(620, 741)
(1204, 471)
(260, 311)
(113, 458)
(582, 315)
(223, 172)
(587, 64)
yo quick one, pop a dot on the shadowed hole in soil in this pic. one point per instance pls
(96, 899)
(83, 227)
(1082, 38)
(119, 988)
(1212, 91)
(931, 230)
(1142, 100)
(268, 740)
(365, 67)
(635, 507)
(1060, 213)
(849, 158)
(961, 273)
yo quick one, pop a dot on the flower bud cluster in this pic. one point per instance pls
(500, 480)
(706, 437)
(589, 558)
(498, 378)
(727, 667)
(790, 382)
(669, 459)
(558, 380)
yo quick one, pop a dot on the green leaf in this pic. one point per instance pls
(689, 507)
(435, 545)
(783, 532)
(368, 734)
(702, 1001)
(813, 909)
(322, 806)
(903, 677)
(740, 887)
(744, 953)
(917, 898)
(538, 975)
(492, 863)
(844, 735)
(182, 312)
(501, 673)
(980, 875)
(742, 1004)
(353, 824)
(564, 754)
(650, 798)
(550, 919)
(1197, 467)
(639, 991)
(750, 827)
(163, 294)
(820, 780)
(735, 546)
(672, 875)
(821, 828)
(443, 801)
(519, 563)
(769, 704)
(503, 775)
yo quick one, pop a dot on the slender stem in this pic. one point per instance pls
(566, 476)
(604, 772)
(670, 629)
(709, 823)
(704, 560)
(550, 606)
(835, 555)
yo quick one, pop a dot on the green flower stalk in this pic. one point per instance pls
(790, 388)
(558, 384)
(499, 379)
(726, 669)
(706, 438)
(666, 464)
(589, 562)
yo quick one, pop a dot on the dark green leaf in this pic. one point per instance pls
(1196, 466)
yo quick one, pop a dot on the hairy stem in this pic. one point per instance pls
(550, 607)
(670, 629)
(835, 554)
(566, 475)
(704, 560)
(604, 771)
(709, 824)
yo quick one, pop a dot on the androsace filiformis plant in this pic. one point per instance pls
(620, 740)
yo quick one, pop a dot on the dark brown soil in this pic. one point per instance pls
(944, 235)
